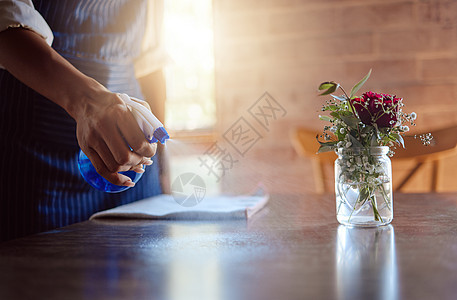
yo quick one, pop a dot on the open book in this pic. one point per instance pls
(210, 208)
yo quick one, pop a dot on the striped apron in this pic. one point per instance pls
(40, 184)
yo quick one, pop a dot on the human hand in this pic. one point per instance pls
(104, 124)
(105, 130)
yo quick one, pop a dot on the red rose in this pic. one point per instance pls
(379, 109)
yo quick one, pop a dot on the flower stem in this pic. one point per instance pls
(353, 208)
(377, 215)
(385, 196)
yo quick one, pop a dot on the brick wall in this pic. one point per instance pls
(287, 47)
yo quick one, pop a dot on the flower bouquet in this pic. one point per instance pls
(364, 131)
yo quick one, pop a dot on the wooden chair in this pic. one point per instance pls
(444, 144)
(304, 142)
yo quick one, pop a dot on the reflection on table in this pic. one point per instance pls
(366, 265)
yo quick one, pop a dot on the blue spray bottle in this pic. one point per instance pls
(153, 131)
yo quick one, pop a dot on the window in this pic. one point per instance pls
(188, 38)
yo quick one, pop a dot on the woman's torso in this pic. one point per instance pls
(40, 186)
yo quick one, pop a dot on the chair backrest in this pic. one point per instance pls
(444, 143)
(304, 142)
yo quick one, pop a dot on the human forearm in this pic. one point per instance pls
(29, 58)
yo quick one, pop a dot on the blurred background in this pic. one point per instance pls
(244, 77)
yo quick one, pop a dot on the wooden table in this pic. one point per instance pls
(293, 249)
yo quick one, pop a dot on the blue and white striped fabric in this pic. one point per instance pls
(40, 185)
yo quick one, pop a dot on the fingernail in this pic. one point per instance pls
(129, 183)
(140, 170)
(148, 162)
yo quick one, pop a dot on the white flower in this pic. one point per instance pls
(413, 116)
(342, 130)
(404, 128)
(333, 129)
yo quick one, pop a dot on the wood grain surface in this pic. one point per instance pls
(292, 249)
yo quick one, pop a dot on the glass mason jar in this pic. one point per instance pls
(363, 186)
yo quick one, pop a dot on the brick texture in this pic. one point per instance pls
(287, 47)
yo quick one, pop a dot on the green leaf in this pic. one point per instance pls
(325, 148)
(350, 121)
(329, 86)
(374, 141)
(335, 114)
(359, 84)
(398, 138)
(332, 143)
(368, 129)
(325, 118)
(364, 193)
(354, 141)
(330, 107)
(340, 98)
(326, 85)
(401, 140)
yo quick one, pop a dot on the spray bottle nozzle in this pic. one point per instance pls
(160, 135)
